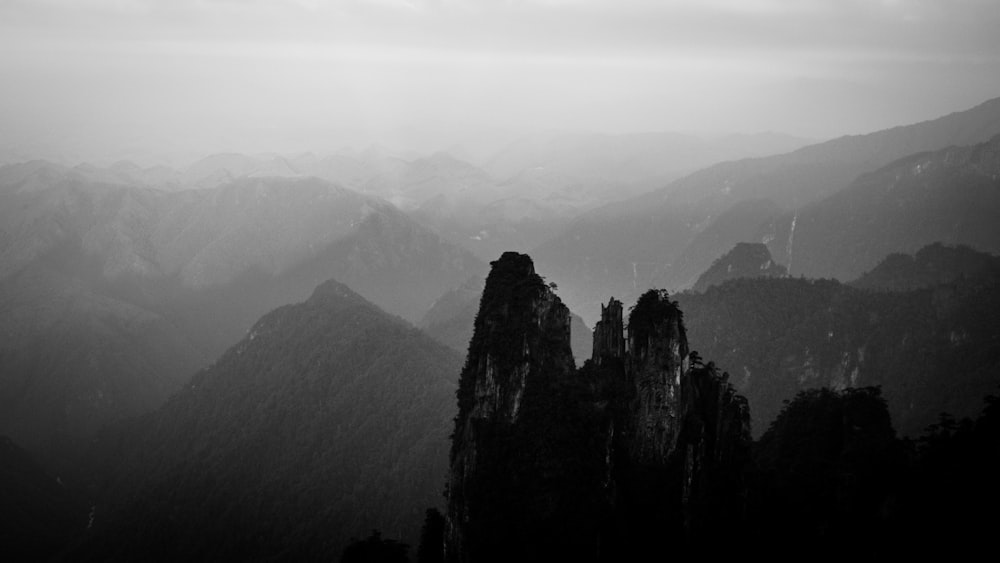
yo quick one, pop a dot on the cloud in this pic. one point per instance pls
(200, 67)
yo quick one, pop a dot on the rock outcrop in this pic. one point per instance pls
(520, 348)
(609, 339)
(643, 444)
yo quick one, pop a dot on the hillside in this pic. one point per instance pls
(113, 296)
(330, 418)
(951, 196)
(624, 248)
(934, 264)
(745, 260)
(931, 350)
(38, 515)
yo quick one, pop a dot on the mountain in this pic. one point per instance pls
(745, 260)
(548, 462)
(38, 515)
(453, 316)
(950, 196)
(113, 296)
(934, 264)
(625, 247)
(931, 350)
(629, 158)
(330, 418)
(75, 359)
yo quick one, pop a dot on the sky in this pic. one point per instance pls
(103, 79)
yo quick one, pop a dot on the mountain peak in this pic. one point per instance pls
(332, 292)
(745, 260)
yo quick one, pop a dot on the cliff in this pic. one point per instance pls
(643, 444)
(520, 351)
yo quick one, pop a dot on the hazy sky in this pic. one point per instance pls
(111, 77)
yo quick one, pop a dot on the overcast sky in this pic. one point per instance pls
(106, 77)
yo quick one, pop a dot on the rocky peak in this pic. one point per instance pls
(520, 349)
(639, 436)
(745, 260)
(658, 351)
(522, 326)
(609, 334)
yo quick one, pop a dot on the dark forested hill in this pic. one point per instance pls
(330, 418)
(932, 265)
(38, 515)
(932, 350)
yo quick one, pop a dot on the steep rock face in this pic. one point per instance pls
(643, 444)
(520, 346)
(521, 329)
(609, 340)
(657, 358)
(452, 318)
(681, 436)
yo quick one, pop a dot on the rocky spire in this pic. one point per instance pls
(609, 334)
(520, 345)
(658, 357)
(548, 463)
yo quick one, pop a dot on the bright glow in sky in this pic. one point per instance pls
(114, 77)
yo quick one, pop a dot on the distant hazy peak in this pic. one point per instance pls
(745, 260)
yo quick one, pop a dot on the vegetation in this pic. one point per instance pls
(330, 418)
(931, 350)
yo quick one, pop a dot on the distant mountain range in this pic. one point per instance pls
(745, 260)
(625, 247)
(949, 196)
(112, 296)
(519, 197)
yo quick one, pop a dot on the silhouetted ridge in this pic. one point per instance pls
(934, 264)
(644, 444)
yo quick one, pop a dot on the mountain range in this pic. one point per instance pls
(113, 296)
(328, 419)
(626, 247)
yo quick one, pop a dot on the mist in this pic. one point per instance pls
(498, 280)
(101, 79)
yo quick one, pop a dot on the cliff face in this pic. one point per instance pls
(642, 444)
(520, 348)
(682, 436)
(657, 359)
(609, 340)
